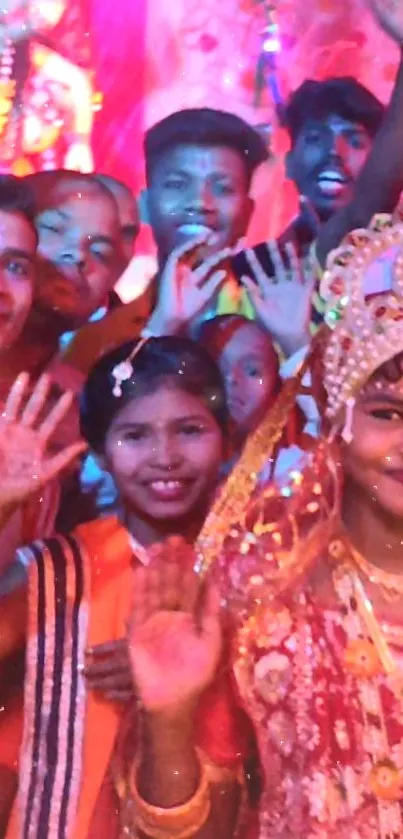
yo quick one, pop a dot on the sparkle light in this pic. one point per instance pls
(272, 45)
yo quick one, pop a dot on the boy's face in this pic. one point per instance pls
(326, 161)
(17, 274)
(78, 248)
(197, 189)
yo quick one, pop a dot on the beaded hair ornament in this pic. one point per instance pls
(366, 324)
(123, 371)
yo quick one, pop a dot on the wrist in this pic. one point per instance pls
(178, 718)
(290, 344)
(157, 326)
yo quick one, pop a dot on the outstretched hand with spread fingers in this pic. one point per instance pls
(175, 632)
(282, 302)
(26, 428)
(185, 290)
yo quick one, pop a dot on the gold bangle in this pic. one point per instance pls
(174, 822)
(220, 774)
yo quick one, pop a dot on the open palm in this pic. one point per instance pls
(175, 634)
(185, 290)
(283, 302)
(26, 428)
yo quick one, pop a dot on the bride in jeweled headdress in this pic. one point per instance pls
(319, 585)
(311, 575)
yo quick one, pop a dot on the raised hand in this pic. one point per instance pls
(184, 290)
(389, 14)
(175, 633)
(282, 303)
(108, 670)
(26, 429)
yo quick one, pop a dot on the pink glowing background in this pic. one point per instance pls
(151, 57)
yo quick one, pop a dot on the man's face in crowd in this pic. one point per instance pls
(326, 161)
(17, 273)
(198, 189)
(78, 252)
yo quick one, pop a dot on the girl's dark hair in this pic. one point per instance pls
(177, 360)
(214, 334)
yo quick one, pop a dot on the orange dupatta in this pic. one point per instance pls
(101, 555)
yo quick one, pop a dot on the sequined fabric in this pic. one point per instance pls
(329, 721)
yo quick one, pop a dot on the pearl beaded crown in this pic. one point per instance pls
(366, 325)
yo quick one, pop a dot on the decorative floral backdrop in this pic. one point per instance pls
(154, 56)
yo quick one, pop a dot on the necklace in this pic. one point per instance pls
(389, 585)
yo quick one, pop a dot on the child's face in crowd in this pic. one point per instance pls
(197, 189)
(17, 273)
(374, 459)
(164, 451)
(78, 246)
(249, 365)
(326, 161)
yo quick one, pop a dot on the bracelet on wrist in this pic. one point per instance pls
(180, 822)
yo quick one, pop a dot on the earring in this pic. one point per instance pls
(347, 433)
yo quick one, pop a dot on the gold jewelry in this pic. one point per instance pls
(390, 585)
(346, 556)
(174, 822)
(366, 329)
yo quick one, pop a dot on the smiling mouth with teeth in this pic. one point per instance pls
(169, 490)
(331, 182)
(195, 230)
(166, 484)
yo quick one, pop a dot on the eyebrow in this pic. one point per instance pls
(189, 173)
(61, 213)
(131, 229)
(252, 356)
(355, 129)
(108, 240)
(19, 253)
(125, 426)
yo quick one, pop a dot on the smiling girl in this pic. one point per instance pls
(155, 413)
